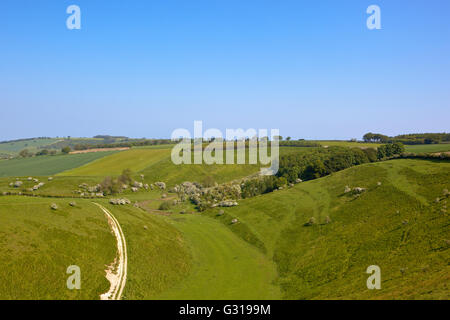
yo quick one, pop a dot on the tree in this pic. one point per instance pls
(126, 177)
(288, 138)
(368, 137)
(66, 149)
(390, 149)
(43, 152)
(375, 137)
(25, 153)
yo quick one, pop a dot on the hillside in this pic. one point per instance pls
(12, 148)
(37, 244)
(397, 225)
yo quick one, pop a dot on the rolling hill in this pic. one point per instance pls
(397, 224)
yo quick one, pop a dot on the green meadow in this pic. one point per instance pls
(425, 148)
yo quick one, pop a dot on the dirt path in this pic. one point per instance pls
(116, 273)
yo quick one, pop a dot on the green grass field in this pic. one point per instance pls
(224, 267)
(37, 244)
(47, 165)
(397, 225)
(349, 144)
(424, 148)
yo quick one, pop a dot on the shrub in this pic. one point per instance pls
(110, 186)
(208, 182)
(66, 150)
(42, 152)
(25, 153)
(166, 205)
(125, 177)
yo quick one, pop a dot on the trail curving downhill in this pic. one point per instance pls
(116, 273)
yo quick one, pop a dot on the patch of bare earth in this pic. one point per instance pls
(98, 150)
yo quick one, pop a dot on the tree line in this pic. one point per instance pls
(409, 139)
(316, 163)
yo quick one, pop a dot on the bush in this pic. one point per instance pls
(25, 153)
(110, 186)
(166, 205)
(125, 177)
(66, 150)
(42, 152)
(390, 150)
(208, 182)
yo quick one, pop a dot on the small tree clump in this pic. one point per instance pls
(66, 150)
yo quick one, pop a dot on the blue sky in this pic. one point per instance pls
(144, 68)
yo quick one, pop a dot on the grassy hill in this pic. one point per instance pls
(14, 147)
(397, 225)
(37, 244)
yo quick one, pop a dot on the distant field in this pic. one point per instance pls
(47, 165)
(32, 145)
(424, 148)
(397, 225)
(37, 244)
(338, 143)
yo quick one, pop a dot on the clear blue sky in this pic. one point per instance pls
(144, 68)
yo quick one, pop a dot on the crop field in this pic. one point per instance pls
(133, 159)
(47, 165)
(384, 226)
